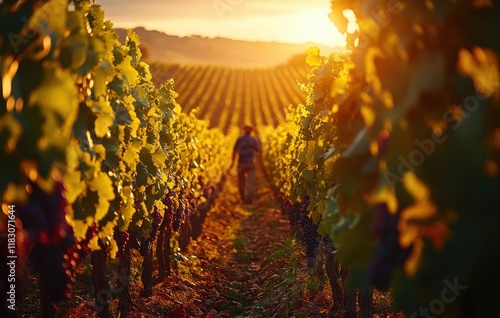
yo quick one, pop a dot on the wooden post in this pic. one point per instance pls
(48, 307)
(160, 253)
(147, 275)
(101, 285)
(335, 279)
(167, 250)
(184, 236)
(366, 303)
(349, 298)
(124, 282)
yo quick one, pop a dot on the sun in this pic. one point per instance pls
(314, 25)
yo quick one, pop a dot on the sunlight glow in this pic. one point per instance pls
(306, 25)
(314, 25)
(352, 25)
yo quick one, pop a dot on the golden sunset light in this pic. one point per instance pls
(249, 158)
(280, 21)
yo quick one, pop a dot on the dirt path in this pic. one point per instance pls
(245, 264)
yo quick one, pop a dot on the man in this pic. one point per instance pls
(246, 146)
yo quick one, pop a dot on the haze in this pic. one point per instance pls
(255, 20)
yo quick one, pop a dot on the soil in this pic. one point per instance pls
(247, 263)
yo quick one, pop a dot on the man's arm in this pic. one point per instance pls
(258, 148)
(234, 158)
(235, 150)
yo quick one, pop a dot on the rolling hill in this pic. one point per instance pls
(217, 51)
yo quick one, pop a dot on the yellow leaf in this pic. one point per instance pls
(113, 249)
(103, 185)
(413, 262)
(388, 100)
(73, 154)
(102, 209)
(372, 54)
(80, 229)
(482, 66)
(103, 73)
(15, 193)
(57, 92)
(41, 17)
(160, 157)
(416, 188)
(100, 151)
(131, 152)
(103, 123)
(94, 244)
(130, 73)
(388, 196)
(313, 57)
(127, 211)
(368, 115)
(74, 185)
(12, 130)
(107, 231)
(408, 229)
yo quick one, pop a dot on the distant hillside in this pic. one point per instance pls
(219, 51)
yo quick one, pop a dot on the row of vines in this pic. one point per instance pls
(230, 97)
(94, 158)
(395, 155)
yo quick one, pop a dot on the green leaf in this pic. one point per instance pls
(128, 71)
(57, 92)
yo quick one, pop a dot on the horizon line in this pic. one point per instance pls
(229, 38)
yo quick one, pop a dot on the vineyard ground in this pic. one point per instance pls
(247, 263)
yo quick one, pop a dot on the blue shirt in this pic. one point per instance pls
(246, 146)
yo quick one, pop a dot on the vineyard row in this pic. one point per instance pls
(230, 97)
(94, 158)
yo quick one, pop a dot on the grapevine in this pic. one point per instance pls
(79, 111)
(395, 147)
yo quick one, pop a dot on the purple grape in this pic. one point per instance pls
(389, 255)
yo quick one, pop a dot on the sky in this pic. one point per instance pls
(291, 21)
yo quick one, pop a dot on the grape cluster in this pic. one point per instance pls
(180, 214)
(293, 211)
(169, 211)
(310, 234)
(145, 247)
(133, 241)
(192, 203)
(51, 238)
(157, 219)
(121, 239)
(389, 255)
(147, 243)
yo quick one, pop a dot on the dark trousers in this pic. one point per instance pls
(246, 171)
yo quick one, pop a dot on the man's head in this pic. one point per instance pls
(247, 128)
